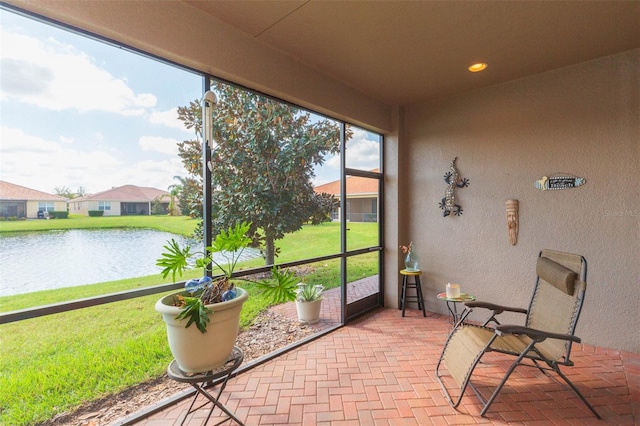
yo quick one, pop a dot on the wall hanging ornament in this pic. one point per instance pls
(452, 178)
(512, 221)
(559, 181)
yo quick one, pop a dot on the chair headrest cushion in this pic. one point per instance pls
(557, 275)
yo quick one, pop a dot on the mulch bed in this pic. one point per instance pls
(271, 331)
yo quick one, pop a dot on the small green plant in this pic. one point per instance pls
(205, 291)
(282, 288)
(308, 292)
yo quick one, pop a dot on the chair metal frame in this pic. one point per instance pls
(496, 332)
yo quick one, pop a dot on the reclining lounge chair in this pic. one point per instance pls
(545, 339)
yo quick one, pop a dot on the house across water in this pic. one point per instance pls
(21, 202)
(124, 200)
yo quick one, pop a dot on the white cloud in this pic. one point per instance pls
(333, 163)
(156, 174)
(362, 153)
(159, 144)
(16, 141)
(170, 119)
(46, 164)
(55, 76)
(66, 140)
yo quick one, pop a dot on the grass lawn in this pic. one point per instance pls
(54, 363)
(182, 225)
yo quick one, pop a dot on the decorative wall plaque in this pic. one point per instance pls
(548, 183)
(512, 221)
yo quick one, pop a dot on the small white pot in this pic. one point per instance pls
(197, 352)
(309, 312)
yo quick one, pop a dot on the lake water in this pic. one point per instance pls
(48, 260)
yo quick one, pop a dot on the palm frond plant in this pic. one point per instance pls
(230, 244)
(285, 287)
(282, 287)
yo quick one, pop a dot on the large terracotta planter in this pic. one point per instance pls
(309, 312)
(197, 352)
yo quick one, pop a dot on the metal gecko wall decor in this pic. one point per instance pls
(452, 178)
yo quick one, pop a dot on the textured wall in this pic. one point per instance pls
(582, 120)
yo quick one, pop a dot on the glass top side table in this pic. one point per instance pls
(452, 304)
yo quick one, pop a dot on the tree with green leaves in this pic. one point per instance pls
(65, 191)
(262, 163)
(156, 206)
(185, 196)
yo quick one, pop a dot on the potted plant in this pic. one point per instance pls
(309, 302)
(202, 320)
(285, 287)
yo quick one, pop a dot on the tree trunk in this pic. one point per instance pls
(269, 250)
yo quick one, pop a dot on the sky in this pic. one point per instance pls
(76, 112)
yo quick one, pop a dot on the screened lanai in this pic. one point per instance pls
(559, 97)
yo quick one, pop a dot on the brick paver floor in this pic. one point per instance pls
(380, 370)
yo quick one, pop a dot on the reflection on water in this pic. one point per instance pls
(47, 260)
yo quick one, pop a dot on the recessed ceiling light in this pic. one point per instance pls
(477, 67)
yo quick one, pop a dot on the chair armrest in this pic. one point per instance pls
(497, 309)
(537, 335)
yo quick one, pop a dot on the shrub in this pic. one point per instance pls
(96, 213)
(157, 207)
(59, 214)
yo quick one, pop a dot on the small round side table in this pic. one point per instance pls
(452, 304)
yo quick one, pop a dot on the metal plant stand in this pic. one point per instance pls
(203, 383)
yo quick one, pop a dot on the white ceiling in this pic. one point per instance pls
(406, 52)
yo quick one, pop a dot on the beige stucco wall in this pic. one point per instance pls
(583, 120)
(34, 206)
(114, 211)
(83, 207)
(77, 207)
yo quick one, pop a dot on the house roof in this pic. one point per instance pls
(11, 191)
(356, 185)
(126, 193)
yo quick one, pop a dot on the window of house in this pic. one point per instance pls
(45, 206)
